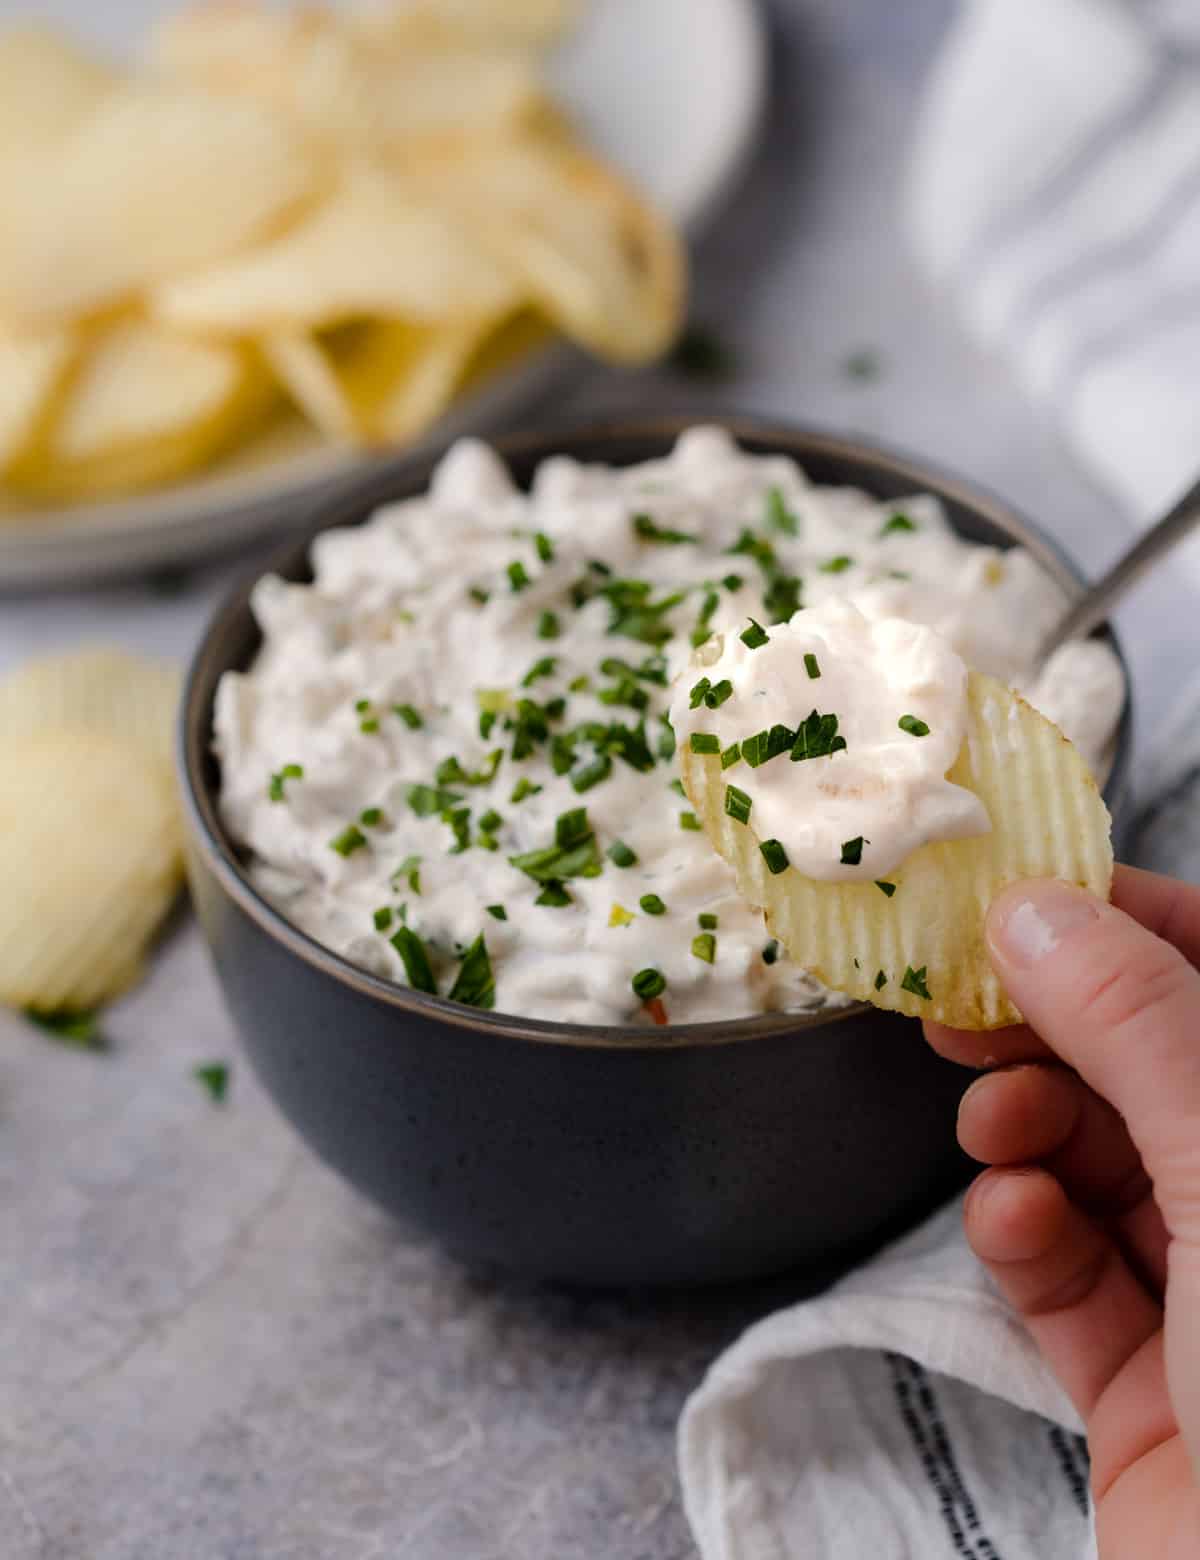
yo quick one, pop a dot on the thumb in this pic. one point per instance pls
(1122, 1007)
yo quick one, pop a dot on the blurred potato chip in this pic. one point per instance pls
(33, 368)
(47, 86)
(154, 182)
(142, 407)
(371, 249)
(90, 861)
(95, 689)
(921, 951)
(597, 260)
(522, 22)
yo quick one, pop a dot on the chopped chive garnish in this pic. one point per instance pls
(478, 594)
(705, 742)
(771, 952)
(545, 547)
(78, 1029)
(620, 854)
(811, 665)
(371, 817)
(497, 912)
(754, 636)
(778, 513)
(579, 684)
(837, 565)
(880, 980)
(676, 785)
(782, 600)
(597, 567)
(730, 755)
(648, 984)
(475, 983)
(704, 946)
(619, 916)
(382, 918)
(698, 690)
(493, 701)
(898, 522)
(415, 960)
(817, 737)
(591, 774)
(914, 727)
(548, 626)
(852, 851)
(571, 828)
(652, 904)
(214, 1078)
(518, 575)
(411, 717)
(665, 746)
(348, 841)
(885, 888)
(409, 871)
(775, 856)
(543, 668)
(737, 804)
(369, 726)
(914, 981)
(707, 921)
(522, 789)
(717, 694)
(703, 628)
(732, 582)
(458, 820)
(487, 719)
(645, 527)
(275, 786)
(361, 706)
(554, 895)
(688, 820)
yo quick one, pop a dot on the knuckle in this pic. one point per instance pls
(1136, 990)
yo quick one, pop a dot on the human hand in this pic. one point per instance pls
(1090, 1219)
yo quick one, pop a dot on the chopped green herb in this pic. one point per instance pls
(214, 1078)
(782, 600)
(451, 772)
(778, 513)
(914, 981)
(554, 895)
(275, 785)
(731, 755)
(369, 726)
(885, 888)
(737, 804)
(487, 719)
(880, 980)
(518, 575)
(548, 626)
(688, 820)
(415, 960)
(705, 742)
(754, 636)
(771, 952)
(543, 668)
(852, 851)
(625, 692)
(666, 739)
(817, 738)
(458, 820)
(914, 727)
(493, 701)
(490, 821)
(763, 745)
(478, 594)
(81, 1030)
(554, 863)
(863, 365)
(676, 785)
(620, 854)
(811, 665)
(522, 789)
(498, 912)
(652, 904)
(545, 547)
(645, 527)
(897, 523)
(718, 693)
(371, 817)
(707, 921)
(698, 690)
(648, 984)
(619, 916)
(704, 946)
(774, 855)
(409, 871)
(348, 841)
(591, 774)
(699, 354)
(732, 582)
(703, 628)
(571, 828)
(382, 918)
(411, 717)
(579, 684)
(837, 565)
(361, 706)
(475, 983)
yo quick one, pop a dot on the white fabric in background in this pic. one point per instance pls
(1055, 195)
(903, 1415)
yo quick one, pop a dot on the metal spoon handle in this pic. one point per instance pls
(1093, 606)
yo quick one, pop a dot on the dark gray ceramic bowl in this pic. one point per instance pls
(609, 1156)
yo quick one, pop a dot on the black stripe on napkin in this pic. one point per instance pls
(1071, 1455)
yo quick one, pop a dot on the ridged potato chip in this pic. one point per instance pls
(921, 950)
(33, 368)
(371, 249)
(143, 406)
(96, 689)
(90, 861)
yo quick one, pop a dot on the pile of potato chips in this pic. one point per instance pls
(91, 854)
(359, 212)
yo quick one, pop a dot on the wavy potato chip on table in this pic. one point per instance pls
(920, 949)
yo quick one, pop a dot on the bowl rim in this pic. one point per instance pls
(208, 662)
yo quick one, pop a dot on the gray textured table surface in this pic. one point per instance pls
(209, 1347)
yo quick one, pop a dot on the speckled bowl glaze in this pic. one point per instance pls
(696, 1154)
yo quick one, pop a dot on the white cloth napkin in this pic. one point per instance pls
(903, 1415)
(1055, 193)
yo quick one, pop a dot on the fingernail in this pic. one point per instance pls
(1031, 921)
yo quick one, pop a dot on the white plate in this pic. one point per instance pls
(670, 90)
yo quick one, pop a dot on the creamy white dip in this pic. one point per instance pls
(410, 654)
(837, 730)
